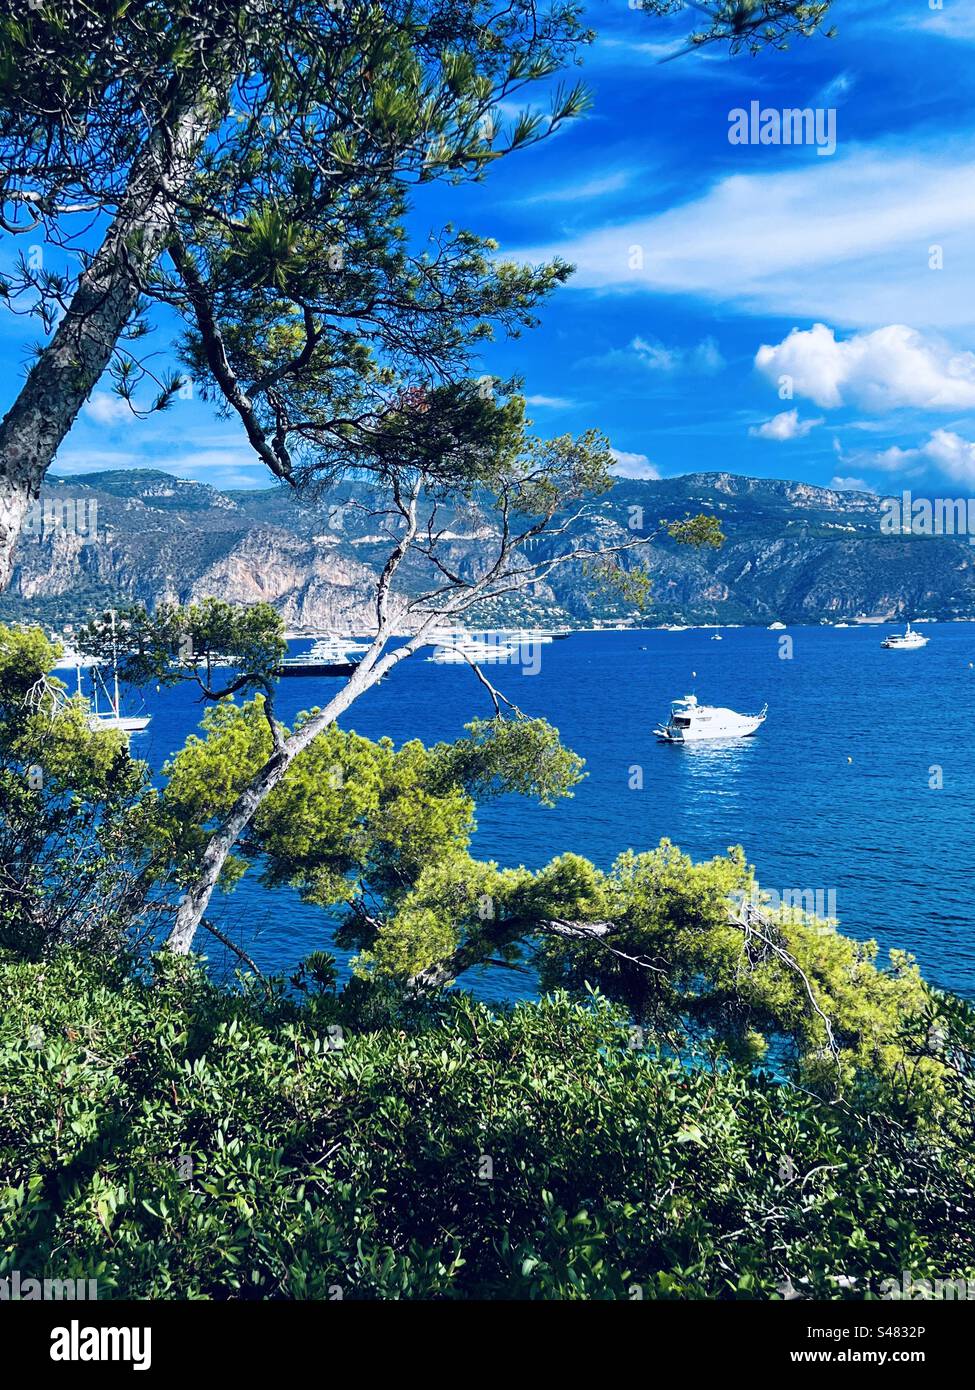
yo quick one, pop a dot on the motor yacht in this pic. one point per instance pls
(690, 721)
(908, 640)
(329, 656)
(466, 650)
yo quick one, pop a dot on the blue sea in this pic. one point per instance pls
(859, 784)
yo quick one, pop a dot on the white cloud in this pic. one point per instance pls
(893, 460)
(105, 408)
(633, 465)
(785, 425)
(845, 239)
(943, 449)
(850, 485)
(954, 23)
(73, 459)
(890, 367)
(550, 402)
(952, 454)
(204, 460)
(704, 359)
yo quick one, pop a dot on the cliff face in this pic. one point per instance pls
(793, 552)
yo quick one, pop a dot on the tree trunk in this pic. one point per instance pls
(69, 367)
(194, 902)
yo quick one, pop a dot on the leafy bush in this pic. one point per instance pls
(174, 1140)
(74, 810)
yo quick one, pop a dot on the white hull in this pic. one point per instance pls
(128, 724)
(73, 661)
(908, 641)
(690, 722)
(744, 727)
(462, 653)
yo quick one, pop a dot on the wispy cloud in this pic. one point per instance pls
(846, 239)
(701, 359)
(550, 402)
(582, 190)
(835, 90)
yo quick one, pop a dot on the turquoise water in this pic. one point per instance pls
(838, 793)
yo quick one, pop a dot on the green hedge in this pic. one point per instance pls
(461, 1153)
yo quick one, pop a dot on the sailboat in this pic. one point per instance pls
(113, 718)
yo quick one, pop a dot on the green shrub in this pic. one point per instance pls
(174, 1140)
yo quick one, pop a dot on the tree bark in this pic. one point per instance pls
(107, 293)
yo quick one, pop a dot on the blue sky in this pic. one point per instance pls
(714, 277)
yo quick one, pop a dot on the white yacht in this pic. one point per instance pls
(523, 636)
(329, 656)
(908, 640)
(776, 627)
(467, 649)
(690, 721)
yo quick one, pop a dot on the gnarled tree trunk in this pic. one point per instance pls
(197, 897)
(108, 291)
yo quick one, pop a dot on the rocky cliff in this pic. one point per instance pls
(793, 552)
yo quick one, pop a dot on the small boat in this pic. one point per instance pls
(717, 637)
(906, 641)
(690, 722)
(329, 656)
(776, 627)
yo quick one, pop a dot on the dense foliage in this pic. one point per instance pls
(716, 1100)
(74, 809)
(173, 1140)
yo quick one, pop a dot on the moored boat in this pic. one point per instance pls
(906, 641)
(329, 656)
(690, 721)
(113, 718)
(463, 651)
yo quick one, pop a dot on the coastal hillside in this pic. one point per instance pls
(793, 552)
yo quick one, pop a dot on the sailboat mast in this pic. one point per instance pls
(115, 665)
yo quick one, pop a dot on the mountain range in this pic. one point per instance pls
(793, 552)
